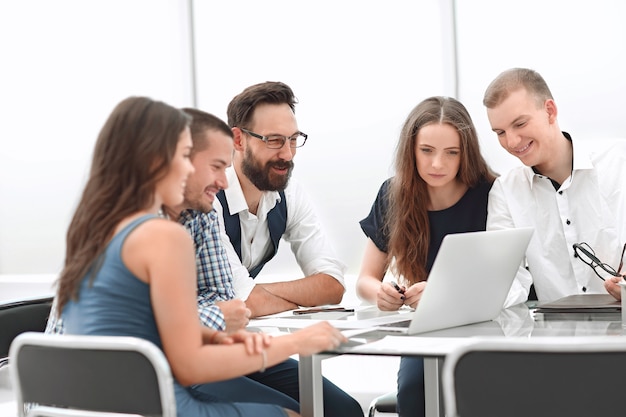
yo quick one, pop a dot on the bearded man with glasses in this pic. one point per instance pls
(262, 206)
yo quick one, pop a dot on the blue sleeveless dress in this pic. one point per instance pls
(117, 303)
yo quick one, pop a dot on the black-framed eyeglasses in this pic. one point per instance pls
(585, 253)
(296, 140)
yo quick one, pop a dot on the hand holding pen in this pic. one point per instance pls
(390, 296)
(398, 288)
(412, 295)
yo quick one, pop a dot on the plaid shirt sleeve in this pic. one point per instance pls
(211, 315)
(215, 279)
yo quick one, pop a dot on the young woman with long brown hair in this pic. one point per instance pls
(441, 186)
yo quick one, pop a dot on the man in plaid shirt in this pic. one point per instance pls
(215, 284)
(217, 306)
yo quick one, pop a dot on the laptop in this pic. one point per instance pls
(469, 280)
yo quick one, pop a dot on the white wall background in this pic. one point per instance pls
(64, 65)
(358, 67)
(578, 46)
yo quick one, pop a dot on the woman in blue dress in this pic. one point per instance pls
(129, 272)
(441, 186)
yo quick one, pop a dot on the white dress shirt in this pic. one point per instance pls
(310, 245)
(590, 206)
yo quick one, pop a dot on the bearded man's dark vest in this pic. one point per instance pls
(276, 223)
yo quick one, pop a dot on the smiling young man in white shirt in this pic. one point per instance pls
(570, 191)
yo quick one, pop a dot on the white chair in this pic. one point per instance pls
(90, 376)
(568, 376)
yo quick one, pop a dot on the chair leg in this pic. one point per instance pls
(384, 404)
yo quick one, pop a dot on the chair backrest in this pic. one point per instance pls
(572, 376)
(103, 374)
(22, 316)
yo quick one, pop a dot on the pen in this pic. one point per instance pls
(397, 287)
(322, 310)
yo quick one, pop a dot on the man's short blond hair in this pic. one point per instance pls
(512, 80)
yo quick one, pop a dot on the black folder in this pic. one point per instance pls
(581, 303)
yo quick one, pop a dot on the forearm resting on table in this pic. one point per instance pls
(314, 290)
(311, 291)
(262, 302)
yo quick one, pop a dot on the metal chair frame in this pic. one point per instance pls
(90, 376)
(573, 376)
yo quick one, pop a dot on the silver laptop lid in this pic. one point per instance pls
(470, 279)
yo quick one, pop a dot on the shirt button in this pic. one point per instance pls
(567, 222)
(584, 289)
(561, 192)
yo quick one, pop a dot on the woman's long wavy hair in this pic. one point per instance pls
(133, 152)
(407, 217)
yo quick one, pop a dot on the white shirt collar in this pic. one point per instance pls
(581, 160)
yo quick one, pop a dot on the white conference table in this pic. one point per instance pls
(518, 321)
